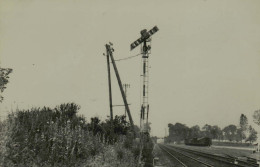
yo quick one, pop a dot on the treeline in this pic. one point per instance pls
(60, 137)
(241, 133)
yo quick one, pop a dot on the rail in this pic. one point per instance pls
(184, 155)
(184, 165)
(228, 160)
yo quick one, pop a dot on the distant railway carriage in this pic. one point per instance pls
(204, 141)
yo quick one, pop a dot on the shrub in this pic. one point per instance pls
(59, 137)
(115, 155)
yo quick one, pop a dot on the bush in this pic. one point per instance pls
(115, 155)
(59, 137)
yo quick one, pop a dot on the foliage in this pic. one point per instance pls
(4, 76)
(243, 123)
(216, 132)
(195, 131)
(256, 117)
(213, 132)
(179, 132)
(116, 155)
(230, 131)
(59, 137)
(48, 137)
(137, 131)
(110, 130)
(240, 135)
(252, 134)
(147, 155)
(207, 130)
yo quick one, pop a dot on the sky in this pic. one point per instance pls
(204, 66)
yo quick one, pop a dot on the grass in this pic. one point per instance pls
(232, 144)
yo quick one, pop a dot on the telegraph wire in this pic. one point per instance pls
(130, 57)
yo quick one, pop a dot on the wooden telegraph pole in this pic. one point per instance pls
(110, 53)
(109, 86)
(126, 86)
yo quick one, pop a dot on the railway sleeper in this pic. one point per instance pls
(230, 159)
(252, 160)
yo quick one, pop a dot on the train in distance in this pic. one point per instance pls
(203, 141)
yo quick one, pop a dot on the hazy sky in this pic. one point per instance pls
(205, 62)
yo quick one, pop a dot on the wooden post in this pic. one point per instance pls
(109, 86)
(120, 86)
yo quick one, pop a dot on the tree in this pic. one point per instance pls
(213, 132)
(4, 72)
(240, 135)
(243, 126)
(194, 131)
(216, 132)
(243, 122)
(256, 117)
(178, 132)
(111, 129)
(95, 126)
(252, 134)
(230, 132)
(207, 130)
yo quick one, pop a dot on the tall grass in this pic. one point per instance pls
(59, 137)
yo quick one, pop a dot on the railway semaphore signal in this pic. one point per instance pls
(145, 42)
(144, 37)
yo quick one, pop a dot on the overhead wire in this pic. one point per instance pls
(130, 57)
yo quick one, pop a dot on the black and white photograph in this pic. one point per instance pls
(110, 83)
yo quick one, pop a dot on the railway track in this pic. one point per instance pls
(210, 160)
(228, 160)
(174, 157)
(181, 158)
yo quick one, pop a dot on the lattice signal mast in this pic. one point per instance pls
(145, 42)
